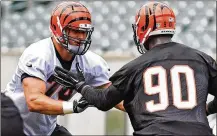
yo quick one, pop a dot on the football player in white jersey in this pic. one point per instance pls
(39, 98)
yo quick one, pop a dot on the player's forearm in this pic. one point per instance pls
(212, 106)
(119, 106)
(37, 101)
(103, 99)
(45, 105)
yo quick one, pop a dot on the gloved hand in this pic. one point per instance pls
(69, 79)
(80, 105)
(76, 104)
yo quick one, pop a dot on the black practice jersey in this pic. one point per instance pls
(165, 90)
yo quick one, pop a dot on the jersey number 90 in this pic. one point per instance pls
(162, 88)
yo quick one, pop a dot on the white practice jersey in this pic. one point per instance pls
(39, 60)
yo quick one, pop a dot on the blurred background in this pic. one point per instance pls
(25, 22)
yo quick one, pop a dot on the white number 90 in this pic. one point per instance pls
(162, 88)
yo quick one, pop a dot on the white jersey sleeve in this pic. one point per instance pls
(101, 72)
(98, 68)
(33, 65)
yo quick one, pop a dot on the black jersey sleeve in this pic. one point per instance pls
(212, 68)
(213, 86)
(103, 99)
(213, 77)
(123, 79)
(212, 106)
(212, 89)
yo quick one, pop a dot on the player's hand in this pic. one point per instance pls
(69, 79)
(80, 105)
(76, 104)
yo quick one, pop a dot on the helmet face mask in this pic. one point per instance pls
(141, 48)
(153, 18)
(70, 20)
(77, 45)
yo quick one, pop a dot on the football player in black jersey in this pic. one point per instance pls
(165, 89)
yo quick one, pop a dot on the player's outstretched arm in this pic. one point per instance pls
(103, 99)
(37, 101)
(120, 105)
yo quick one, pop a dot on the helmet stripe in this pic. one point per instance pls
(154, 9)
(64, 9)
(165, 15)
(164, 6)
(146, 18)
(68, 6)
(80, 18)
(154, 26)
(72, 13)
(139, 12)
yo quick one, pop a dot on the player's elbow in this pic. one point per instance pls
(31, 107)
(105, 105)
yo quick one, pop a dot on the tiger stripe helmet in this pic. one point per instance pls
(153, 18)
(74, 16)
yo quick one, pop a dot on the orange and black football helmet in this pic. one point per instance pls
(153, 18)
(71, 16)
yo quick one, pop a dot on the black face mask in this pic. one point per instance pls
(141, 48)
(82, 45)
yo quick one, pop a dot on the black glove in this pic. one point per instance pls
(80, 105)
(69, 79)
